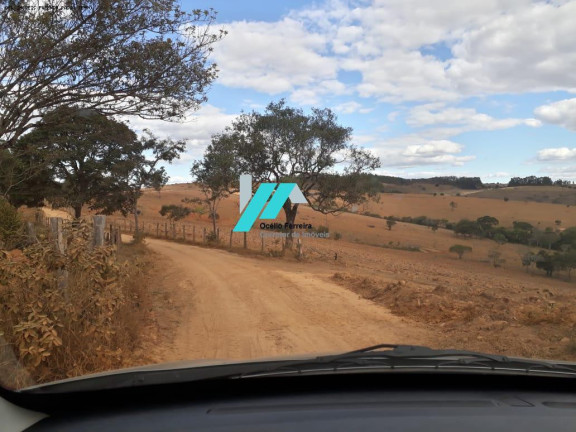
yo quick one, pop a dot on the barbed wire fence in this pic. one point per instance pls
(108, 230)
(200, 233)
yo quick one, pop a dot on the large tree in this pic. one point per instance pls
(143, 169)
(217, 175)
(83, 152)
(284, 144)
(134, 57)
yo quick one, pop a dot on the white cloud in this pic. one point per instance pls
(312, 95)
(563, 172)
(179, 179)
(497, 46)
(273, 57)
(497, 174)
(459, 120)
(562, 113)
(352, 107)
(197, 129)
(403, 76)
(530, 49)
(413, 150)
(433, 148)
(557, 154)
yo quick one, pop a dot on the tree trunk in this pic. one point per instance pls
(136, 229)
(214, 223)
(77, 211)
(290, 212)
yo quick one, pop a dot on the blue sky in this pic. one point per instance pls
(477, 88)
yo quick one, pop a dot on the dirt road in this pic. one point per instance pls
(235, 307)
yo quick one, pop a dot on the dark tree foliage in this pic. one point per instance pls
(546, 262)
(530, 181)
(459, 182)
(175, 212)
(24, 179)
(140, 57)
(468, 228)
(82, 151)
(217, 175)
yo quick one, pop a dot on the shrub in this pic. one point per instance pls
(10, 225)
(89, 325)
(337, 235)
(495, 258)
(212, 237)
(506, 199)
(322, 229)
(460, 250)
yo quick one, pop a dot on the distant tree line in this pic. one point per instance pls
(459, 182)
(538, 181)
(530, 181)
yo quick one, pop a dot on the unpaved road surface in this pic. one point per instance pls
(235, 307)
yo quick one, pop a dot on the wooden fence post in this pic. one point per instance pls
(157, 229)
(166, 229)
(117, 238)
(193, 233)
(231, 231)
(184, 232)
(245, 241)
(57, 238)
(174, 231)
(99, 227)
(262, 247)
(204, 235)
(31, 233)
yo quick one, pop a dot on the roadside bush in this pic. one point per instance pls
(212, 237)
(337, 235)
(10, 225)
(63, 330)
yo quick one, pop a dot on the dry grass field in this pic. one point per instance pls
(465, 303)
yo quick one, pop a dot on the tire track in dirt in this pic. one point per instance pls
(235, 307)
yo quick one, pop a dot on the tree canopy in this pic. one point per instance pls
(284, 144)
(142, 170)
(82, 152)
(144, 58)
(460, 250)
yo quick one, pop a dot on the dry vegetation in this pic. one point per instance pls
(538, 194)
(93, 324)
(511, 320)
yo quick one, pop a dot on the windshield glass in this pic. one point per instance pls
(207, 181)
